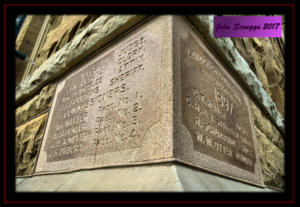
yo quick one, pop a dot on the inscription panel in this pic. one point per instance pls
(214, 109)
(108, 104)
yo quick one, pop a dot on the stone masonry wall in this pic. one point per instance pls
(62, 34)
(263, 56)
(63, 29)
(31, 115)
(25, 41)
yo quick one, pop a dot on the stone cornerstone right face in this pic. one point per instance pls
(216, 130)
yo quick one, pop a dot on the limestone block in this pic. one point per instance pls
(248, 47)
(96, 35)
(279, 97)
(272, 161)
(265, 58)
(25, 42)
(23, 31)
(36, 105)
(28, 140)
(58, 37)
(242, 46)
(227, 50)
(266, 127)
(261, 75)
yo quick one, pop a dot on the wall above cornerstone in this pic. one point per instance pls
(266, 59)
(149, 93)
(25, 42)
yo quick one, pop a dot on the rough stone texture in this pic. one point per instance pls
(60, 35)
(226, 49)
(36, 105)
(28, 33)
(151, 178)
(28, 140)
(97, 34)
(265, 58)
(23, 30)
(25, 42)
(266, 127)
(56, 21)
(272, 161)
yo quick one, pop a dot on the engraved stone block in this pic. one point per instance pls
(112, 109)
(156, 95)
(214, 125)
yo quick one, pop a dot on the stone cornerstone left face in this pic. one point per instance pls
(114, 109)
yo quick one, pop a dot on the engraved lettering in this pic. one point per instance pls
(100, 107)
(214, 109)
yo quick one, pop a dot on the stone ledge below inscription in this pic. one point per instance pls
(147, 178)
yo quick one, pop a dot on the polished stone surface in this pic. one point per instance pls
(114, 108)
(214, 118)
